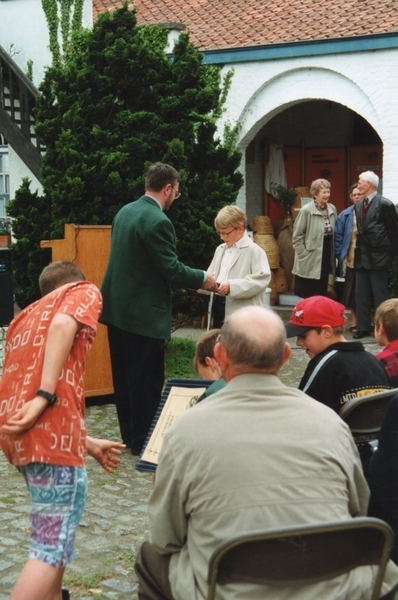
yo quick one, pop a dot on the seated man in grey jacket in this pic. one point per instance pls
(257, 455)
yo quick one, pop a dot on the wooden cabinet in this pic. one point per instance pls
(88, 246)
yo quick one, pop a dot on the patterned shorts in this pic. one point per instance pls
(58, 495)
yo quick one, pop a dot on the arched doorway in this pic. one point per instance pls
(308, 110)
(320, 138)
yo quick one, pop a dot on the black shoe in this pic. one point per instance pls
(135, 451)
(65, 594)
(361, 334)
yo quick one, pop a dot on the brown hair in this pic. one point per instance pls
(159, 175)
(58, 273)
(387, 315)
(205, 347)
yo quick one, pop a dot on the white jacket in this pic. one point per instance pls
(248, 276)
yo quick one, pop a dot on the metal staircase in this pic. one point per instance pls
(17, 124)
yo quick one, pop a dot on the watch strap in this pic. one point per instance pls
(51, 398)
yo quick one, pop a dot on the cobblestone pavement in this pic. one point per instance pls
(115, 520)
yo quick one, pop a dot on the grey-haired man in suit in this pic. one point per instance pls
(377, 243)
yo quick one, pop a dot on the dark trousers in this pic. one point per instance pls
(371, 289)
(218, 311)
(305, 288)
(138, 376)
(152, 570)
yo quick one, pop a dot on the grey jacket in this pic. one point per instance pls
(308, 234)
(255, 455)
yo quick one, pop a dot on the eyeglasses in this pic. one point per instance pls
(224, 234)
(176, 194)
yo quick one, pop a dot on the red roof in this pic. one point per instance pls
(219, 24)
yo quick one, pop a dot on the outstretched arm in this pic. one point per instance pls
(106, 452)
(60, 338)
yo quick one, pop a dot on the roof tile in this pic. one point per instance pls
(237, 23)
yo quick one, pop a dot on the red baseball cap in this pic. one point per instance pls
(315, 311)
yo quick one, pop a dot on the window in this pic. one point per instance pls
(4, 180)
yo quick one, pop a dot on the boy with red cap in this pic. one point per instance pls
(338, 370)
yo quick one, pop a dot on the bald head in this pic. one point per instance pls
(255, 340)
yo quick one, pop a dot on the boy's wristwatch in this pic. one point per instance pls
(51, 398)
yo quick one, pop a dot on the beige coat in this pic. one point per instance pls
(255, 455)
(248, 275)
(308, 234)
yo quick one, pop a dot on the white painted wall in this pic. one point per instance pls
(18, 171)
(365, 82)
(24, 35)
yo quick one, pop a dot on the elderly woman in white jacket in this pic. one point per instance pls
(313, 243)
(239, 265)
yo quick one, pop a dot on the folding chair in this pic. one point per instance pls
(364, 415)
(302, 555)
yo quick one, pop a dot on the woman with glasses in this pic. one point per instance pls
(239, 265)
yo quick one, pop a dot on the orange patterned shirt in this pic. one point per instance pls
(59, 435)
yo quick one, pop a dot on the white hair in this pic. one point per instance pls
(371, 178)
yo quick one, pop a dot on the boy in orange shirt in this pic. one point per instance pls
(42, 429)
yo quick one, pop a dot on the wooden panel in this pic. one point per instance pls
(330, 164)
(292, 158)
(88, 246)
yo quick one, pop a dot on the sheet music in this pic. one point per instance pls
(178, 400)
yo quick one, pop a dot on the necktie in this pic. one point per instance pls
(365, 201)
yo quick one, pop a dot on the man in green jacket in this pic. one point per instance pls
(142, 268)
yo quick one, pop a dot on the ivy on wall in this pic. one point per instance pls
(62, 25)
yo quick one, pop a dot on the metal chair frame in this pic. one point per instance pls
(302, 555)
(364, 415)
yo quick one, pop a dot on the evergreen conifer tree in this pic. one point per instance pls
(117, 105)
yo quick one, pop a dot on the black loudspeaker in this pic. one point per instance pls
(6, 287)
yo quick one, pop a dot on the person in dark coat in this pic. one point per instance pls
(339, 371)
(377, 243)
(142, 268)
(383, 475)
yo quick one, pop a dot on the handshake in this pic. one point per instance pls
(212, 285)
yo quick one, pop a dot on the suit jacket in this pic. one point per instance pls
(377, 238)
(142, 267)
(248, 275)
(255, 455)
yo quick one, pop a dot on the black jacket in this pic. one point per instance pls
(349, 373)
(377, 239)
(383, 475)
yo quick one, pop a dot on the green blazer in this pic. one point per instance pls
(142, 267)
